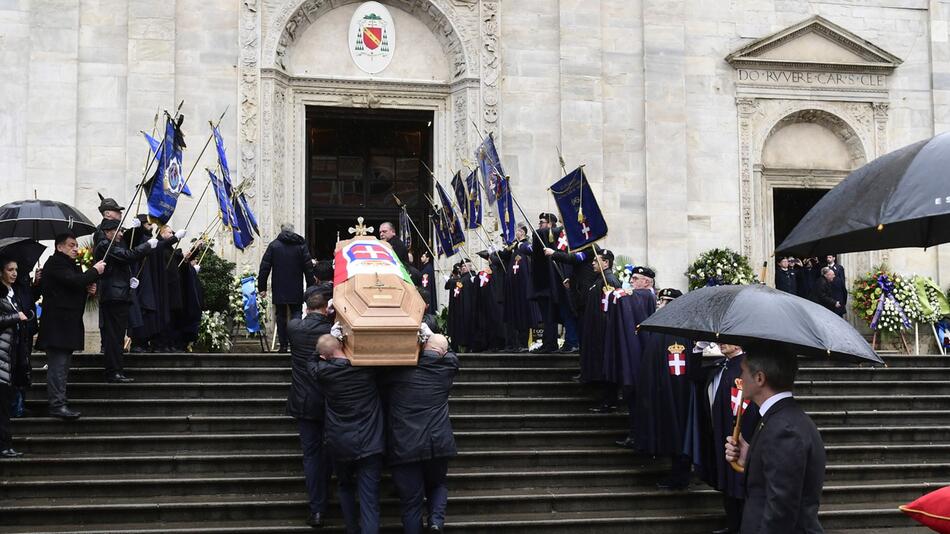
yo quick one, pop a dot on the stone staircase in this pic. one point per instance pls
(199, 444)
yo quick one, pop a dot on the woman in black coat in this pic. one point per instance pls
(12, 322)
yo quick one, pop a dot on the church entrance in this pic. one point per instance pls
(790, 205)
(356, 161)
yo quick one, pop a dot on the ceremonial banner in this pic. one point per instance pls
(224, 203)
(583, 221)
(246, 225)
(460, 197)
(366, 255)
(405, 232)
(474, 200)
(154, 144)
(443, 240)
(168, 181)
(222, 161)
(497, 188)
(450, 220)
(249, 297)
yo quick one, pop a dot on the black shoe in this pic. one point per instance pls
(627, 443)
(567, 349)
(433, 529)
(10, 453)
(726, 530)
(64, 413)
(282, 349)
(139, 349)
(315, 520)
(540, 350)
(576, 378)
(672, 485)
(119, 378)
(603, 408)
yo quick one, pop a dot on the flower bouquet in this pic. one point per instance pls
(213, 332)
(720, 266)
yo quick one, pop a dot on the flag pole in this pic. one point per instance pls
(607, 286)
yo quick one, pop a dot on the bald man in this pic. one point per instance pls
(419, 439)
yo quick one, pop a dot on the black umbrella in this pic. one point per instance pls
(756, 313)
(24, 250)
(899, 200)
(42, 219)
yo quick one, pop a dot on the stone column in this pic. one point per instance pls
(939, 11)
(664, 50)
(51, 99)
(14, 95)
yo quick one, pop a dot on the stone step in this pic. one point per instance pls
(873, 373)
(844, 388)
(35, 425)
(879, 417)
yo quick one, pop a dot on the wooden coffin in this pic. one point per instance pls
(377, 306)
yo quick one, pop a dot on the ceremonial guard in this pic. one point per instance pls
(428, 282)
(489, 303)
(593, 326)
(583, 273)
(461, 288)
(354, 433)
(306, 403)
(419, 439)
(664, 390)
(192, 298)
(149, 313)
(548, 282)
(115, 292)
(722, 385)
(521, 312)
(65, 289)
(289, 258)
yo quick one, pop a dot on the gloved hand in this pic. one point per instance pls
(135, 222)
(181, 234)
(424, 333)
(133, 282)
(330, 310)
(337, 331)
(153, 242)
(197, 268)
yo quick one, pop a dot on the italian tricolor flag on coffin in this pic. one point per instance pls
(366, 255)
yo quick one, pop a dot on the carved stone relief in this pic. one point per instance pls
(490, 61)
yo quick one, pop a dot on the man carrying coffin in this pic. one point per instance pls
(354, 433)
(785, 462)
(521, 313)
(419, 440)
(663, 393)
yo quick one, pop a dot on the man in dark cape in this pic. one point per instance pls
(521, 312)
(716, 409)
(171, 259)
(489, 303)
(428, 282)
(665, 387)
(150, 311)
(461, 290)
(593, 326)
(549, 291)
(192, 300)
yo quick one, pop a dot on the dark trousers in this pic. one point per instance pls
(681, 467)
(629, 397)
(733, 507)
(113, 322)
(316, 463)
(360, 477)
(57, 373)
(417, 482)
(282, 314)
(549, 320)
(6, 408)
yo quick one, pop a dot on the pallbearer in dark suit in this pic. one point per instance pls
(785, 462)
(521, 311)
(717, 417)
(665, 387)
(354, 433)
(419, 440)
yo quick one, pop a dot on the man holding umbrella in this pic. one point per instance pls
(785, 463)
(65, 288)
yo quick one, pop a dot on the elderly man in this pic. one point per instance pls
(354, 433)
(289, 258)
(387, 233)
(65, 288)
(306, 403)
(824, 292)
(785, 464)
(419, 440)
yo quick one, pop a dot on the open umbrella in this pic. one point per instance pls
(756, 313)
(24, 250)
(900, 199)
(42, 219)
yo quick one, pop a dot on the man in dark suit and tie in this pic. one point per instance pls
(785, 463)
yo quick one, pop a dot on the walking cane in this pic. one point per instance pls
(737, 430)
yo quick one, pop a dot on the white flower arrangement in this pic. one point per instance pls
(213, 332)
(719, 267)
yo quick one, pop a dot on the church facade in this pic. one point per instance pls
(700, 124)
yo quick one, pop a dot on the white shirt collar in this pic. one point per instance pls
(772, 400)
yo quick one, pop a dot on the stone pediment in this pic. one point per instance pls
(815, 44)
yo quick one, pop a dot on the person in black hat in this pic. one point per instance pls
(462, 299)
(550, 291)
(593, 326)
(115, 291)
(521, 312)
(665, 386)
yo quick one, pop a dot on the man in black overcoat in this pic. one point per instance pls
(289, 259)
(786, 278)
(115, 292)
(387, 233)
(824, 292)
(838, 283)
(549, 289)
(65, 289)
(354, 433)
(717, 416)
(306, 404)
(581, 275)
(419, 439)
(785, 462)
(521, 312)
